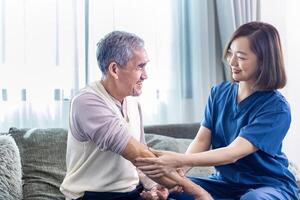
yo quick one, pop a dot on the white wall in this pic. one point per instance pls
(284, 15)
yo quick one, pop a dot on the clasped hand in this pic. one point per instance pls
(162, 165)
(159, 192)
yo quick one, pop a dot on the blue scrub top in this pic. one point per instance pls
(263, 118)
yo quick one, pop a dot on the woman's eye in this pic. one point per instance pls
(241, 58)
(229, 55)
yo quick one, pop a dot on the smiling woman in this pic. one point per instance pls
(242, 60)
(244, 124)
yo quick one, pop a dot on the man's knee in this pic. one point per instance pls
(265, 193)
(250, 195)
(180, 196)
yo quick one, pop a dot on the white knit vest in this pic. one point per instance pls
(89, 168)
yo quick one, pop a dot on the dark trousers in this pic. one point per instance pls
(133, 195)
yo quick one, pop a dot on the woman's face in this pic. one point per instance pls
(242, 61)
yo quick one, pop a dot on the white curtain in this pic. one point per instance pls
(183, 46)
(151, 20)
(196, 64)
(39, 61)
(291, 31)
(47, 52)
(233, 13)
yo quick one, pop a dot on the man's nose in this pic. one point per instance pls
(144, 75)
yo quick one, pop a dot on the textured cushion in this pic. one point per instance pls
(43, 153)
(295, 170)
(10, 169)
(177, 145)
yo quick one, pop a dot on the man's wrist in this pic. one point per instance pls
(148, 186)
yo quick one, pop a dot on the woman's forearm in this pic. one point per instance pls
(239, 148)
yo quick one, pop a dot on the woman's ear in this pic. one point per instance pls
(113, 69)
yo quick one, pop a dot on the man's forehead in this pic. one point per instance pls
(141, 54)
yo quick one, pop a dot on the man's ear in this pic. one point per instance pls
(113, 69)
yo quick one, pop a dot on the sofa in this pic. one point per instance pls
(32, 161)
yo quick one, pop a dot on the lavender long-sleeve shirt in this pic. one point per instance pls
(93, 120)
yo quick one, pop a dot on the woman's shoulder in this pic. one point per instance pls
(279, 100)
(223, 92)
(275, 101)
(224, 87)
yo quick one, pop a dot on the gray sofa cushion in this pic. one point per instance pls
(188, 131)
(43, 154)
(10, 169)
(295, 170)
(177, 145)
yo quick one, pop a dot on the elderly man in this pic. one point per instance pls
(106, 129)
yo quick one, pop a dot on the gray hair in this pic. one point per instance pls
(118, 47)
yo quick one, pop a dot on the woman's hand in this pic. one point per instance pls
(165, 163)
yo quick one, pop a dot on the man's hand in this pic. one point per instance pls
(156, 193)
